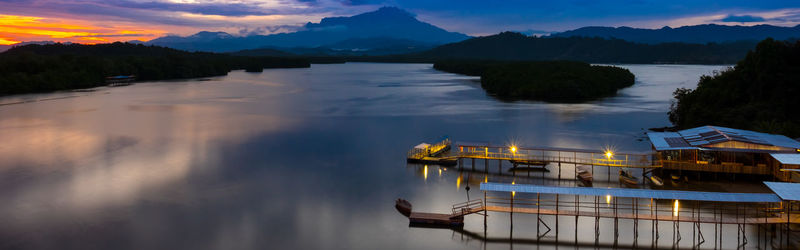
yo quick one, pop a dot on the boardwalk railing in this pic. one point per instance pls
(641, 161)
(432, 150)
(468, 207)
(646, 209)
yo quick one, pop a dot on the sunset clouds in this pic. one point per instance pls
(97, 21)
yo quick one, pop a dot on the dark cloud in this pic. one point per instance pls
(115, 35)
(742, 19)
(270, 29)
(232, 9)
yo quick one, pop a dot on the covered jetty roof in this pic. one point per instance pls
(787, 191)
(787, 159)
(635, 193)
(706, 136)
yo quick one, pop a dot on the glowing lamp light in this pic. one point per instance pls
(513, 149)
(609, 154)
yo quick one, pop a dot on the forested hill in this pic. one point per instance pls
(516, 46)
(41, 68)
(760, 93)
(703, 33)
(550, 81)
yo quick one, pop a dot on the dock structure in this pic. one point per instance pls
(777, 212)
(431, 153)
(709, 149)
(714, 149)
(545, 155)
(445, 153)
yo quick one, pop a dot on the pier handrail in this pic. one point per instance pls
(437, 148)
(704, 210)
(630, 161)
(467, 207)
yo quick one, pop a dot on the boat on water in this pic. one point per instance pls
(628, 179)
(403, 206)
(584, 174)
(657, 181)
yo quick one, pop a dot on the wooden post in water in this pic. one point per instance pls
(538, 205)
(559, 169)
(557, 217)
(485, 214)
(577, 200)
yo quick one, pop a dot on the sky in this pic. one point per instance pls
(100, 21)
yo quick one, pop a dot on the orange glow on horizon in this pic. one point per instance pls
(15, 29)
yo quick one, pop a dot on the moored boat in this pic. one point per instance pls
(657, 181)
(403, 206)
(626, 178)
(584, 174)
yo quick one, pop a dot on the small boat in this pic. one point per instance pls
(584, 174)
(626, 178)
(656, 181)
(403, 206)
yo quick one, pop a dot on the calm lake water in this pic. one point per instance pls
(288, 158)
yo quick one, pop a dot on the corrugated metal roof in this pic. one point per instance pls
(792, 159)
(634, 193)
(787, 191)
(660, 141)
(707, 135)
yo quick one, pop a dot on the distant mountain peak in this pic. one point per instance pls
(211, 35)
(390, 11)
(386, 22)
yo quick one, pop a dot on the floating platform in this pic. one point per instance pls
(444, 161)
(435, 220)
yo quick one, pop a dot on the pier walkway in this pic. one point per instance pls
(445, 153)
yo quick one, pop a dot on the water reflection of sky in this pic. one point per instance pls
(289, 158)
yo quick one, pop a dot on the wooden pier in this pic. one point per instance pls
(440, 154)
(777, 213)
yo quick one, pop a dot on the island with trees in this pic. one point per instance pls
(549, 81)
(762, 93)
(42, 68)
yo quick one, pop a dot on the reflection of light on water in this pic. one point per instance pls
(676, 208)
(45, 144)
(608, 199)
(485, 178)
(425, 172)
(440, 172)
(458, 182)
(513, 192)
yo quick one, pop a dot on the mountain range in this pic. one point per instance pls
(519, 47)
(387, 26)
(704, 33)
(390, 30)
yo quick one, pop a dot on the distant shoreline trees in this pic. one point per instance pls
(550, 81)
(44, 68)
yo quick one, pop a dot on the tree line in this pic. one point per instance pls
(43, 68)
(762, 93)
(550, 81)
